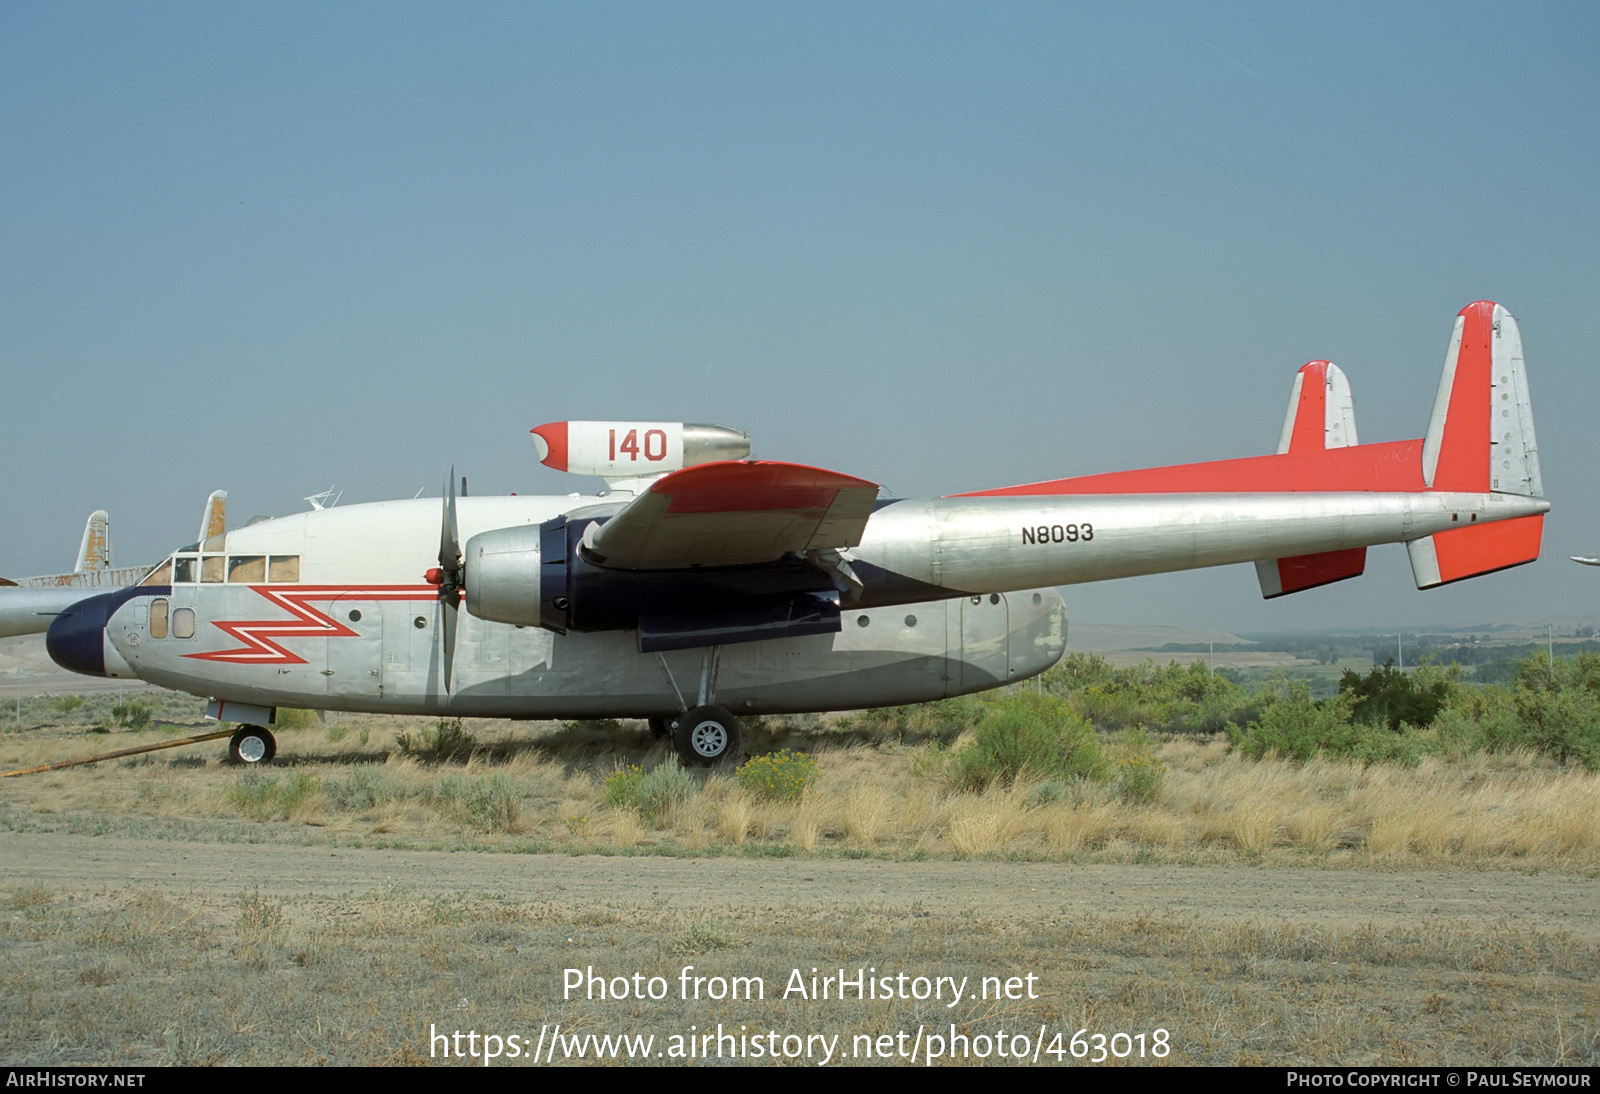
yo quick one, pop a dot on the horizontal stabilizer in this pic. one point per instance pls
(1479, 549)
(1282, 576)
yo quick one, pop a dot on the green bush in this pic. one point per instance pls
(491, 804)
(293, 718)
(1038, 737)
(1559, 707)
(447, 740)
(664, 787)
(1387, 696)
(1300, 728)
(621, 787)
(1140, 777)
(946, 717)
(366, 787)
(133, 714)
(269, 797)
(778, 776)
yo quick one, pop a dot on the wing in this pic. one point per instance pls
(733, 513)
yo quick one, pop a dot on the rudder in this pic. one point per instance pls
(1480, 440)
(1321, 416)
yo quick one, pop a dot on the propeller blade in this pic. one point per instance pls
(449, 574)
(449, 540)
(448, 608)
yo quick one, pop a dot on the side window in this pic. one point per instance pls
(245, 568)
(284, 568)
(211, 568)
(183, 623)
(158, 617)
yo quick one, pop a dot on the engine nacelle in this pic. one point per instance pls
(634, 450)
(536, 576)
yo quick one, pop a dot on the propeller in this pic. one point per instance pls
(448, 575)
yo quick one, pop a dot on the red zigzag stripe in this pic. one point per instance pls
(257, 635)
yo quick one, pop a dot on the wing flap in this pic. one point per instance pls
(733, 513)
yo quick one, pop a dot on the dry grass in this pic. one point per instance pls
(1516, 811)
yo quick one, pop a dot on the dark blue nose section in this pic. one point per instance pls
(76, 638)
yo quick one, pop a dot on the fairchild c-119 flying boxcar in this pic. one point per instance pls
(703, 585)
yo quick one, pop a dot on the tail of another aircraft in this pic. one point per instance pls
(94, 553)
(214, 521)
(1481, 440)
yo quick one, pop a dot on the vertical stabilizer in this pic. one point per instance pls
(1481, 437)
(1481, 440)
(94, 553)
(1322, 415)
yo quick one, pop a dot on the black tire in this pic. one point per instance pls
(252, 746)
(706, 736)
(660, 726)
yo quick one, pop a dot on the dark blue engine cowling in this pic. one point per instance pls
(679, 609)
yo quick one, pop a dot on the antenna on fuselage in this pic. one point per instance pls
(325, 500)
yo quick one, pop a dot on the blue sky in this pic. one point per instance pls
(941, 246)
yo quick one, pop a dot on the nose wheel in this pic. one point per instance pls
(706, 736)
(252, 746)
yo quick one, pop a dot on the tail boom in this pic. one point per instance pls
(1467, 497)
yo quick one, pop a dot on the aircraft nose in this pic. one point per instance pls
(76, 639)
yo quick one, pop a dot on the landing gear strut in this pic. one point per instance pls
(252, 746)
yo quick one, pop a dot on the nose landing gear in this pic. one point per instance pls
(252, 746)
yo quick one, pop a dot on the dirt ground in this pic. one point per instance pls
(127, 952)
(1217, 895)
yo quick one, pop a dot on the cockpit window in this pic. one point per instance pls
(211, 568)
(185, 569)
(161, 575)
(284, 568)
(244, 568)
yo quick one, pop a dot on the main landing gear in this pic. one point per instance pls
(705, 736)
(252, 746)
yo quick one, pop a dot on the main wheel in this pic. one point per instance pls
(252, 746)
(706, 736)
